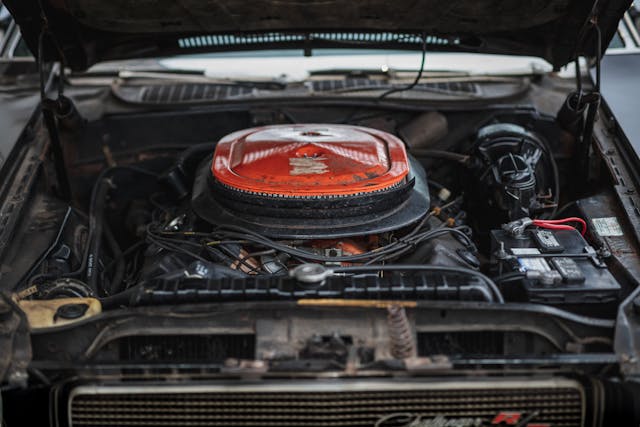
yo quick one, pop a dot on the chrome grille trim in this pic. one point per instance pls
(321, 403)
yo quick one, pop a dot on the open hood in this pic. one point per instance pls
(90, 31)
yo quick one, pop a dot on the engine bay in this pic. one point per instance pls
(281, 240)
(285, 211)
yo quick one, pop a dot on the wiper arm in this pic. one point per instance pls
(198, 77)
(180, 76)
(384, 71)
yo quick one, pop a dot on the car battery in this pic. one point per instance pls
(557, 267)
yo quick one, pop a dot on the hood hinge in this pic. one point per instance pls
(54, 110)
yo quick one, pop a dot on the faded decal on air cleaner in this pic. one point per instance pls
(307, 165)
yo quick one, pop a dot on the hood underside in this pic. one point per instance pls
(90, 31)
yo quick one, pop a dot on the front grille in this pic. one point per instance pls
(185, 348)
(555, 402)
(474, 343)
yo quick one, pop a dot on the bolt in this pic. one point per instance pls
(501, 253)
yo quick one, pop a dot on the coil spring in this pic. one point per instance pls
(402, 342)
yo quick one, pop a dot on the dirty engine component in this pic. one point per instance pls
(516, 175)
(311, 181)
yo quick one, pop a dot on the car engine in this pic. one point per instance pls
(270, 199)
(312, 210)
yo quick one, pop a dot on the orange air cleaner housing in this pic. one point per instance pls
(311, 181)
(310, 161)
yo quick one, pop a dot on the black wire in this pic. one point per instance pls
(92, 210)
(310, 255)
(578, 81)
(447, 230)
(418, 77)
(259, 253)
(237, 234)
(388, 252)
(421, 238)
(222, 252)
(509, 277)
(424, 220)
(598, 55)
(218, 256)
(556, 183)
(240, 259)
(41, 65)
(116, 252)
(159, 206)
(171, 240)
(124, 254)
(563, 209)
(174, 244)
(96, 227)
(47, 252)
(442, 154)
(174, 247)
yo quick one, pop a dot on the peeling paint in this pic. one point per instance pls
(307, 166)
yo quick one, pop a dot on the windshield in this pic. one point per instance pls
(292, 65)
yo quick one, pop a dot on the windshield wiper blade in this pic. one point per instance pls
(187, 77)
(179, 76)
(384, 71)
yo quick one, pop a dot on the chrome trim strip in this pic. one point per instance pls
(319, 386)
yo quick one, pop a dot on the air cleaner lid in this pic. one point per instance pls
(310, 160)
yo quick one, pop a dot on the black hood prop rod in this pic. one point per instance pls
(55, 112)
